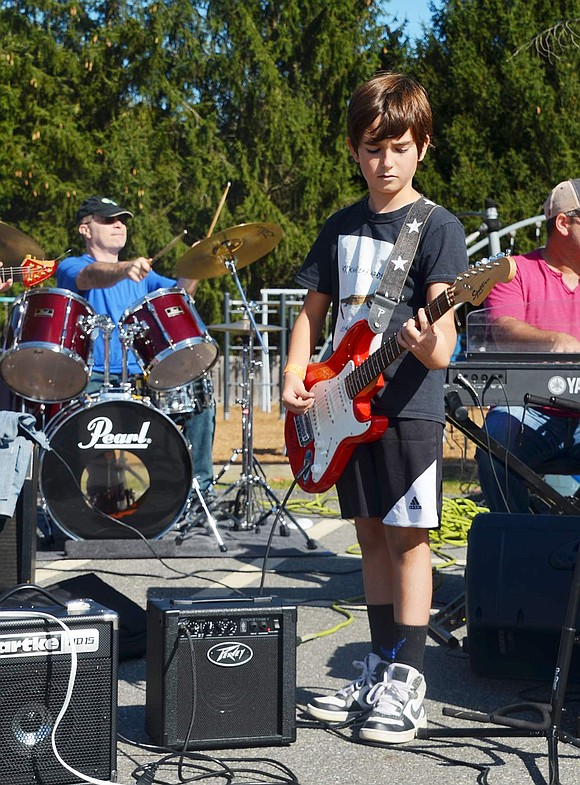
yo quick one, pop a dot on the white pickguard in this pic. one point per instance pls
(332, 420)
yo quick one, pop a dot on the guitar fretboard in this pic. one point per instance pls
(16, 273)
(391, 349)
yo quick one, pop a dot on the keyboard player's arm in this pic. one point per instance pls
(507, 330)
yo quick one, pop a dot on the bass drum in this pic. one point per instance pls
(114, 461)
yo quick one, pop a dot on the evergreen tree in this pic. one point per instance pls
(506, 112)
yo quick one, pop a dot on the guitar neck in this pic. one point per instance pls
(16, 273)
(371, 368)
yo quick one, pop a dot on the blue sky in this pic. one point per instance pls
(416, 11)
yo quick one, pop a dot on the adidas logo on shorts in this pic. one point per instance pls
(414, 504)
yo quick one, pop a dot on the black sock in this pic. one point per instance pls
(382, 626)
(409, 648)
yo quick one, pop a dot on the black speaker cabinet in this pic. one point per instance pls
(224, 668)
(35, 665)
(18, 536)
(518, 579)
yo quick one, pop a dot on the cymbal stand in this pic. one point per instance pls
(248, 514)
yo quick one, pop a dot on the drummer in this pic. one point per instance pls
(111, 286)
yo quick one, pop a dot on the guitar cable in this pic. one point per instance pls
(479, 402)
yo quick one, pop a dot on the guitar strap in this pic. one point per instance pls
(388, 293)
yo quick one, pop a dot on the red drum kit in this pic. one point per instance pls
(117, 456)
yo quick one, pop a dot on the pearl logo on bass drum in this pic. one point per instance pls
(230, 655)
(102, 436)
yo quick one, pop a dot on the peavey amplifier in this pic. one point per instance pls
(35, 666)
(221, 673)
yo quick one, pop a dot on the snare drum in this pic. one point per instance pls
(171, 343)
(193, 397)
(48, 348)
(128, 460)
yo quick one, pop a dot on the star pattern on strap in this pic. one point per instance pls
(415, 225)
(400, 263)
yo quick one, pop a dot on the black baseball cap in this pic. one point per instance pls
(101, 205)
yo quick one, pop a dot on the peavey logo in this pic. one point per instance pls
(230, 655)
(558, 385)
(35, 643)
(103, 438)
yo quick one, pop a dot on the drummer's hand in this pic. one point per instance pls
(295, 397)
(138, 268)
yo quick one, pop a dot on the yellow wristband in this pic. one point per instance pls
(299, 370)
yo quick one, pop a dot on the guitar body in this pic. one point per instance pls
(320, 442)
(324, 438)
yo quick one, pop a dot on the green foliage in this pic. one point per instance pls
(506, 108)
(160, 104)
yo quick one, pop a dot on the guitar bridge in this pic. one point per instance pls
(304, 430)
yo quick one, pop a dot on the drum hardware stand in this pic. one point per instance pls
(252, 474)
(209, 517)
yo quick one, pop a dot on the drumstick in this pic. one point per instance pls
(219, 209)
(168, 247)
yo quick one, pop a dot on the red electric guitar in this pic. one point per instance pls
(320, 442)
(30, 272)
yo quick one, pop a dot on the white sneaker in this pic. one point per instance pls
(351, 700)
(398, 706)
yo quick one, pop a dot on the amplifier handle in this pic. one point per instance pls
(217, 600)
(31, 587)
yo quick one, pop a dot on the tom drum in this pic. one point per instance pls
(48, 346)
(169, 339)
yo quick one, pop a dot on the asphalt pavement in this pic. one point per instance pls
(324, 585)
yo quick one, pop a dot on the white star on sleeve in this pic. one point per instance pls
(415, 225)
(399, 263)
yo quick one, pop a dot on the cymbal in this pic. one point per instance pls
(15, 246)
(243, 326)
(245, 244)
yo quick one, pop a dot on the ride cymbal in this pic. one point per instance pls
(244, 244)
(15, 246)
(244, 326)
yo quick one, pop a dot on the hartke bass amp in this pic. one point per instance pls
(35, 665)
(518, 581)
(221, 673)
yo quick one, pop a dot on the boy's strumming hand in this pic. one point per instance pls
(295, 397)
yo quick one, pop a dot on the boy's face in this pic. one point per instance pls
(388, 166)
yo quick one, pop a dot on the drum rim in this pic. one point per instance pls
(82, 404)
(163, 355)
(68, 293)
(152, 296)
(51, 347)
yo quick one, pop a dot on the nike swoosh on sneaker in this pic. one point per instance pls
(416, 714)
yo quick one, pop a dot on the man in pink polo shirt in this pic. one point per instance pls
(537, 311)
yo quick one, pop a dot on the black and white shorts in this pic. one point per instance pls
(397, 478)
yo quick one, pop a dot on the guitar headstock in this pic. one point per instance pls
(476, 283)
(34, 271)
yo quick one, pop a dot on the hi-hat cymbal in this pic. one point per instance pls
(15, 246)
(245, 244)
(243, 327)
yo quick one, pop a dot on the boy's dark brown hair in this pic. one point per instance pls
(391, 103)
